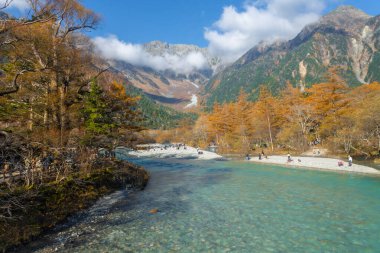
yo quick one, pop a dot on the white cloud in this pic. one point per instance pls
(21, 5)
(261, 20)
(113, 48)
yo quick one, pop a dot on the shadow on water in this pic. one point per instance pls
(169, 191)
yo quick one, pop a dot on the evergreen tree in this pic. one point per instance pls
(97, 119)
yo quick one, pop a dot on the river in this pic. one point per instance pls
(233, 206)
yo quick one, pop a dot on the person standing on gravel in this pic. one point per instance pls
(349, 160)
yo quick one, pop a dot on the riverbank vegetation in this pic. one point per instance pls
(331, 115)
(26, 213)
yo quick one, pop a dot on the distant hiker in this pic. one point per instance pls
(349, 160)
(289, 158)
(260, 156)
(247, 157)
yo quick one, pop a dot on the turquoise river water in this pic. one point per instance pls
(233, 206)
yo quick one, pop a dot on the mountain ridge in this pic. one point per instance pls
(166, 86)
(345, 37)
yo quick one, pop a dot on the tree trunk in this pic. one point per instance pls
(30, 120)
(46, 109)
(270, 133)
(62, 112)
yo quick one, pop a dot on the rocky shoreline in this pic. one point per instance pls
(47, 205)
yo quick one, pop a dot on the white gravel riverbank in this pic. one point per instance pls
(159, 151)
(317, 163)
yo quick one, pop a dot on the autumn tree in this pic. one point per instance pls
(264, 113)
(365, 112)
(330, 103)
(53, 58)
(298, 122)
(242, 127)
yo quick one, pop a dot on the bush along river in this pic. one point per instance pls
(233, 206)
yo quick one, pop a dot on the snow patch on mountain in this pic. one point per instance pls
(194, 101)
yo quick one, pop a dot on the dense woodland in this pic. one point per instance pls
(55, 94)
(331, 115)
(59, 105)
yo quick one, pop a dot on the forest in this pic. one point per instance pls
(55, 93)
(58, 105)
(330, 115)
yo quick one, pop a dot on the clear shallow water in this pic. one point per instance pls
(210, 206)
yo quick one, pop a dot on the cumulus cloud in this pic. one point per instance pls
(113, 48)
(262, 20)
(21, 5)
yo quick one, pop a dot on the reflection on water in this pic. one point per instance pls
(209, 206)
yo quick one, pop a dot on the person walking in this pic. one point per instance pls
(349, 160)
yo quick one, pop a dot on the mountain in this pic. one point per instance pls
(166, 86)
(155, 115)
(346, 37)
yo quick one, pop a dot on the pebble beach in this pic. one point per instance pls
(317, 163)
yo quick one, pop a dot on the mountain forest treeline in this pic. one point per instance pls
(331, 114)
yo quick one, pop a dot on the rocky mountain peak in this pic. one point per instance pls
(347, 18)
(349, 10)
(159, 48)
(156, 46)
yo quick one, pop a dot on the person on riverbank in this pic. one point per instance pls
(289, 158)
(349, 160)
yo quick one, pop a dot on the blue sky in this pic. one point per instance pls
(176, 21)
(228, 28)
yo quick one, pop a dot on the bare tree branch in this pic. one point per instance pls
(5, 4)
(87, 82)
(15, 85)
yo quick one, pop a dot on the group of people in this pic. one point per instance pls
(177, 146)
(341, 163)
(261, 156)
